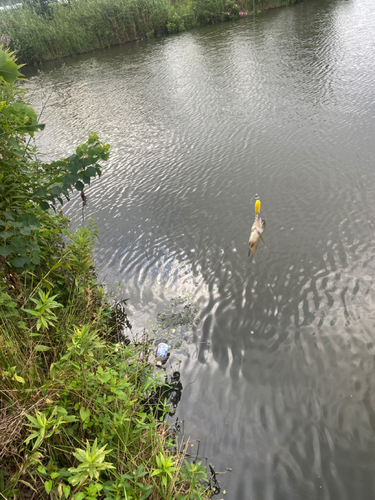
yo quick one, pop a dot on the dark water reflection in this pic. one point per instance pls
(282, 105)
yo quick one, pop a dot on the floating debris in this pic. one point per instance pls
(176, 325)
(162, 354)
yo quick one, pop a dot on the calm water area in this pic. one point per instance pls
(278, 368)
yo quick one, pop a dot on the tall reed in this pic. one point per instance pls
(79, 26)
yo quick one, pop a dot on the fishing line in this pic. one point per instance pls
(193, 381)
(254, 197)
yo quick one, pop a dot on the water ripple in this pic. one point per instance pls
(281, 105)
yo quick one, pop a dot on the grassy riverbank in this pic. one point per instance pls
(41, 31)
(81, 416)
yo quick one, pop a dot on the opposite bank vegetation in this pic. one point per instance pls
(41, 30)
(81, 414)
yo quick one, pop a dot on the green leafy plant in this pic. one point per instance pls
(9, 70)
(92, 463)
(194, 473)
(44, 425)
(28, 186)
(166, 467)
(43, 310)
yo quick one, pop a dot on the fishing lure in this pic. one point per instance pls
(257, 230)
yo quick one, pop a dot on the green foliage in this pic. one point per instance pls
(175, 24)
(92, 462)
(28, 186)
(45, 424)
(40, 7)
(8, 307)
(43, 310)
(8, 67)
(208, 11)
(43, 30)
(195, 474)
(82, 420)
(165, 469)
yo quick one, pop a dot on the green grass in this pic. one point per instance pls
(78, 412)
(63, 29)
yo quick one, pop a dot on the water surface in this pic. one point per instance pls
(279, 384)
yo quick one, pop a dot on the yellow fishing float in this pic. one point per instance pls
(257, 208)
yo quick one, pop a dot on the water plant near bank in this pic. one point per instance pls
(43, 30)
(75, 415)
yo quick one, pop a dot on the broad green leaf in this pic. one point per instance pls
(44, 205)
(147, 489)
(29, 219)
(42, 348)
(84, 414)
(55, 191)
(42, 192)
(21, 108)
(9, 71)
(86, 179)
(70, 179)
(74, 167)
(6, 234)
(18, 262)
(73, 158)
(90, 171)
(19, 379)
(5, 251)
(3, 57)
(36, 259)
(48, 486)
(12, 141)
(66, 490)
(9, 214)
(80, 495)
(105, 377)
(19, 242)
(87, 161)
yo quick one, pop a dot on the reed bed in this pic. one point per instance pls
(44, 31)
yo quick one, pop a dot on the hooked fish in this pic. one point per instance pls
(256, 230)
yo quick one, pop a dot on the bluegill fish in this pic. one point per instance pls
(257, 230)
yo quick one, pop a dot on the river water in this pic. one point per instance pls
(278, 383)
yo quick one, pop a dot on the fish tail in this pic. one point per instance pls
(257, 208)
